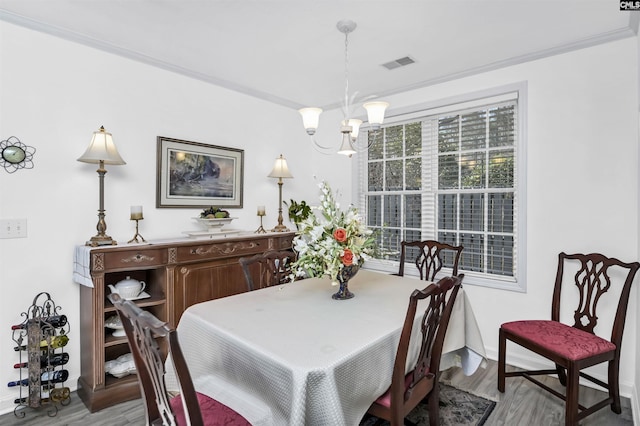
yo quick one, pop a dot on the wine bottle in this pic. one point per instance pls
(54, 395)
(52, 360)
(46, 377)
(54, 321)
(56, 342)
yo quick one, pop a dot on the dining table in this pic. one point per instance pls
(292, 355)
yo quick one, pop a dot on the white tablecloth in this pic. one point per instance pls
(308, 359)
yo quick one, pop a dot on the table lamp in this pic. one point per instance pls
(280, 171)
(101, 151)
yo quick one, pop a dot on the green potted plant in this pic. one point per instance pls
(298, 211)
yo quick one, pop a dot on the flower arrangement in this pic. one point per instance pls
(328, 242)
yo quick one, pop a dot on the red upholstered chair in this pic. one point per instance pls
(142, 329)
(267, 269)
(573, 348)
(407, 390)
(430, 257)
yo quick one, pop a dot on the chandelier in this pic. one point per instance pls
(349, 126)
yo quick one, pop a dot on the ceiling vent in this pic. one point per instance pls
(398, 63)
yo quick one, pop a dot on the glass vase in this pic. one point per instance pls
(344, 276)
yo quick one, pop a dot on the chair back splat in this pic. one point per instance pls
(575, 347)
(267, 269)
(407, 390)
(430, 257)
(149, 338)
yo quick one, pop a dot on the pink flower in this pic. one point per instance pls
(347, 257)
(340, 235)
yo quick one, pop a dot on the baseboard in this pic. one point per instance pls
(627, 389)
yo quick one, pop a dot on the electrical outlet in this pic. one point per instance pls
(13, 228)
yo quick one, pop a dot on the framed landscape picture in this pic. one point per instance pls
(193, 174)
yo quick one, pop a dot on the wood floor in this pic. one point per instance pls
(522, 404)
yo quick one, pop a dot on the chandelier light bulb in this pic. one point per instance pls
(354, 123)
(310, 119)
(375, 113)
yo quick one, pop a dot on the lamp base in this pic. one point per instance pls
(280, 228)
(101, 240)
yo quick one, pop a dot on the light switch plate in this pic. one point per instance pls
(13, 228)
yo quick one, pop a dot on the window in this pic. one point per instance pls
(450, 174)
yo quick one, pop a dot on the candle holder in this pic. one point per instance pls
(135, 237)
(136, 214)
(261, 229)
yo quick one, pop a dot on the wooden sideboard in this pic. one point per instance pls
(177, 275)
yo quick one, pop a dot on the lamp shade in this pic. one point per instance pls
(280, 169)
(354, 123)
(310, 119)
(375, 112)
(346, 148)
(103, 149)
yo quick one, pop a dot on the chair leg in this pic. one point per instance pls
(571, 405)
(395, 416)
(502, 349)
(562, 375)
(434, 405)
(614, 385)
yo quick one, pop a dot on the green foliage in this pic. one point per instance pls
(298, 211)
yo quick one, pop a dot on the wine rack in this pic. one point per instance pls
(40, 339)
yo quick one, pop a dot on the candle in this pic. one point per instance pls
(136, 213)
(261, 211)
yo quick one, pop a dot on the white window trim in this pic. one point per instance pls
(454, 103)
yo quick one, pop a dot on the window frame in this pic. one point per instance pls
(516, 91)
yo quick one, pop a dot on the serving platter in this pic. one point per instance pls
(142, 295)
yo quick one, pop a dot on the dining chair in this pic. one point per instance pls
(190, 407)
(267, 269)
(430, 257)
(575, 347)
(407, 390)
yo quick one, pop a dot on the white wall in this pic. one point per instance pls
(582, 166)
(53, 95)
(582, 180)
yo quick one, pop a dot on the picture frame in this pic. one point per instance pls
(195, 174)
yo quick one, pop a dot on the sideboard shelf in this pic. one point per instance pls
(177, 274)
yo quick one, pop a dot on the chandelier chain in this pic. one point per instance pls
(346, 75)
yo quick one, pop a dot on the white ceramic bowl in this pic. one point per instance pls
(114, 323)
(214, 225)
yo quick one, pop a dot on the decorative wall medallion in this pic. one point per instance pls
(15, 155)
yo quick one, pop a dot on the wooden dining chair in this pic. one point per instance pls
(267, 269)
(575, 347)
(190, 407)
(430, 257)
(407, 390)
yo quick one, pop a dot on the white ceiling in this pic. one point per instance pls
(290, 52)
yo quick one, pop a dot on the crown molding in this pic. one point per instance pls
(630, 31)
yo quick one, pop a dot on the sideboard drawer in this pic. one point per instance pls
(134, 258)
(219, 250)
